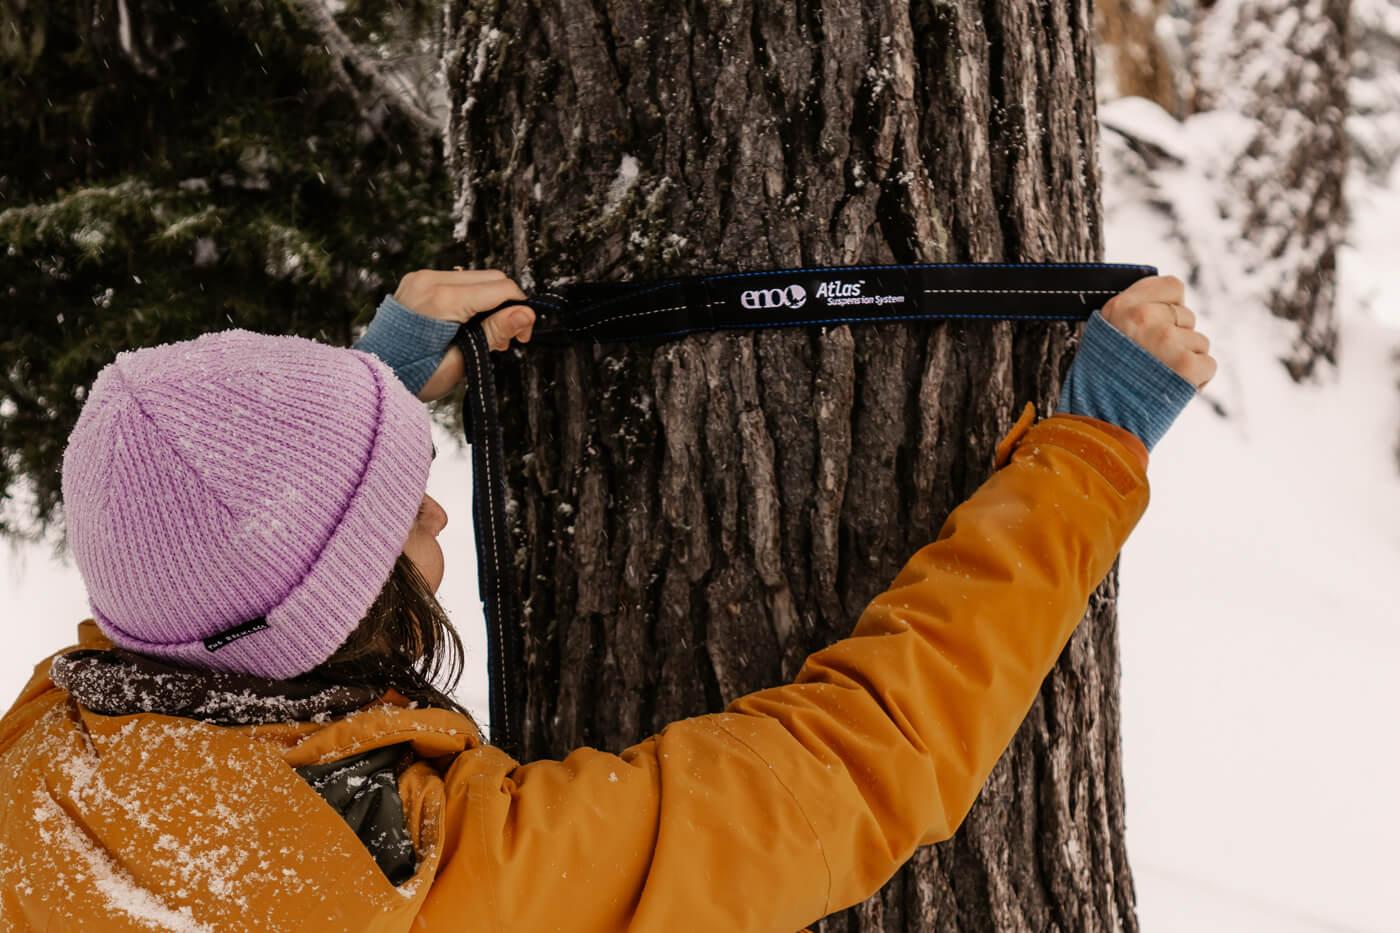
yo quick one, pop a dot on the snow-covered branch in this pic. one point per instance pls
(382, 87)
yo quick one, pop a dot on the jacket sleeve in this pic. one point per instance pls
(803, 799)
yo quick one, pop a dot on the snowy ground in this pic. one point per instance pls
(1258, 630)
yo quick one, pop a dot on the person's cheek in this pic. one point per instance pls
(433, 561)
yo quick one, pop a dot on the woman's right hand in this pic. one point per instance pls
(457, 295)
(1153, 314)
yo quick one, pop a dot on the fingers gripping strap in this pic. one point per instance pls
(819, 296)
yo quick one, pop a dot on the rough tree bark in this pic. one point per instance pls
(1286, 64)
(691, 519)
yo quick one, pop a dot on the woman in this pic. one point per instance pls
(254, 735)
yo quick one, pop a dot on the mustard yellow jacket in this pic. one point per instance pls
(794, 802)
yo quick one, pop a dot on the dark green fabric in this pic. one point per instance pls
(364, 790)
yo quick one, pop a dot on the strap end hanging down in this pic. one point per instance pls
(480, 409)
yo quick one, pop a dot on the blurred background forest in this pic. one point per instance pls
(174, 168)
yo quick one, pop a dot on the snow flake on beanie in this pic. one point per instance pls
(242, 478)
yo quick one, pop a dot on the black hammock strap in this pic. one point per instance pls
(656, 310)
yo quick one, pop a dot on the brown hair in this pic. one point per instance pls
(405, 641)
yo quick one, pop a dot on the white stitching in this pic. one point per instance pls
(491, 511)
(1017, 291)
(618, 317)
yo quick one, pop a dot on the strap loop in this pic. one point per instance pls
(657, 310)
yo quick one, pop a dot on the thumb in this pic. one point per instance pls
(516, 321)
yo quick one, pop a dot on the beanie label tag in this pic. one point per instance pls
(215, 642)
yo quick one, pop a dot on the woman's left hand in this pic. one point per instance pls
(457, 295)
(1152, 312)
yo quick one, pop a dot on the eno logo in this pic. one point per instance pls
(794, 296)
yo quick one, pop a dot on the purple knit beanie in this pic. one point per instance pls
(236, 502)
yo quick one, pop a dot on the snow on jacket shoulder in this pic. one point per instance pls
(795, 802)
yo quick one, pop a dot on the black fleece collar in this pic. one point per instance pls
(117, 682)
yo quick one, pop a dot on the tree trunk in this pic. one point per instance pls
(1285, 64)
(692, 518)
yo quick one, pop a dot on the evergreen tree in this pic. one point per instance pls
(1285, 65)
(173, 168)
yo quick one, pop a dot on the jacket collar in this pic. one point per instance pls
(115, 682)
